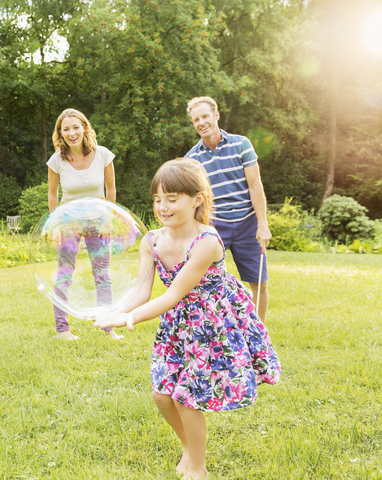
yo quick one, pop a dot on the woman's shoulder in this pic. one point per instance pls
(104, 155)
(54, 161)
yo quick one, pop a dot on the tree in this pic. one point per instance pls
(33, 87)
(334, 70)
(257, 51)
(143, 63)
(10, 192)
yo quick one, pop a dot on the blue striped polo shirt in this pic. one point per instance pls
(225, 169)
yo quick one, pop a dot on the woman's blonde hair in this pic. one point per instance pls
(89, 144)
(186, 176)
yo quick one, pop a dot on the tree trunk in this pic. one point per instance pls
(226, 120)
(44, 134)
(331, 149)
(334, 73)
(225, 126)
(44, 122)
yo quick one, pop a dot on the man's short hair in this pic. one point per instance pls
(195, 102)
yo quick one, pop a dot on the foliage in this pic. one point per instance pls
(292, 76)
(257, 50)
(33, 205)
(312, 225)
(127, 58)
(377, 237)
(357, 247)
(14, 250)
(34, 80)
(360, 178)
(343, 218)
(288, 230)
(10, 192)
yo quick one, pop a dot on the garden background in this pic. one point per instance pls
(302, 79)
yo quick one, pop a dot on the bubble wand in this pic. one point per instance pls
(259, 284)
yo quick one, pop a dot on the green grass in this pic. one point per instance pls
(83, 410)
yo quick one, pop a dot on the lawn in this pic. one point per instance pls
(83, 410)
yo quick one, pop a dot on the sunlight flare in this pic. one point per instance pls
(373, 33)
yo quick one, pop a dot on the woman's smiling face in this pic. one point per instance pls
(72, 131)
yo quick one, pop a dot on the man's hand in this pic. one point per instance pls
(263, 236)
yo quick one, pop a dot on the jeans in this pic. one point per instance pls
(98, 247)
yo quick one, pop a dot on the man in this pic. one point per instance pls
(240, 216)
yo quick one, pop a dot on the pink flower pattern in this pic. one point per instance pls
(211, 350)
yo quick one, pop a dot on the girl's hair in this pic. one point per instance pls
(187, 176)
(89, 144)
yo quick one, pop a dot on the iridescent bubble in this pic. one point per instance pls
(84, 257)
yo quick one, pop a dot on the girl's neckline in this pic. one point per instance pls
(84, 169)
(187, 252)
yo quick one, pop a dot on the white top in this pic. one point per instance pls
(82, 183)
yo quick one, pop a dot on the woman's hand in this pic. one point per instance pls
(56, 236)
(118, 320)
(105, 228)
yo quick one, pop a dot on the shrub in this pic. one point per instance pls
(345, 219)
(311, 225)
(33, 205)
(357, 247)
(377, 232)
(288, 232)
(10, 192)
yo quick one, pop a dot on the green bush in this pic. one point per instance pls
(357, 247)
(377, 234)
(311, 225)
(289, 232)
(344, 219)
(10, 192)
(33, 205)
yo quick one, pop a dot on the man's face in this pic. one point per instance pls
(205, 120)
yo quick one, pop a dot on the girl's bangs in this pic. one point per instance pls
(172, 180)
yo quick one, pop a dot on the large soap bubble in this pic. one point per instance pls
(84, 256)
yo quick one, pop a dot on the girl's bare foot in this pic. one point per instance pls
(193, 475)
(67, 335)
(114, 335)
(182, 466)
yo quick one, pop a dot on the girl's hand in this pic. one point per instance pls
(118, 320)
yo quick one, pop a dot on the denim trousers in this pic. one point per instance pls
(98, 247)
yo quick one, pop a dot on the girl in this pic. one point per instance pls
(211, 350)
(84, 169)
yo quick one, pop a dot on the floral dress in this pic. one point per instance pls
(211, 349)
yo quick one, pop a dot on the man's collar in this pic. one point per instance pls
(203, 146)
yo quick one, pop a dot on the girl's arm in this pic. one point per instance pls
(53, 183)
(110, 183)
(146, 265)
(202, 255)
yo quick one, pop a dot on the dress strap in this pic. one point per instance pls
(203, 235)
(152, 243)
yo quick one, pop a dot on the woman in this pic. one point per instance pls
(83, 168)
